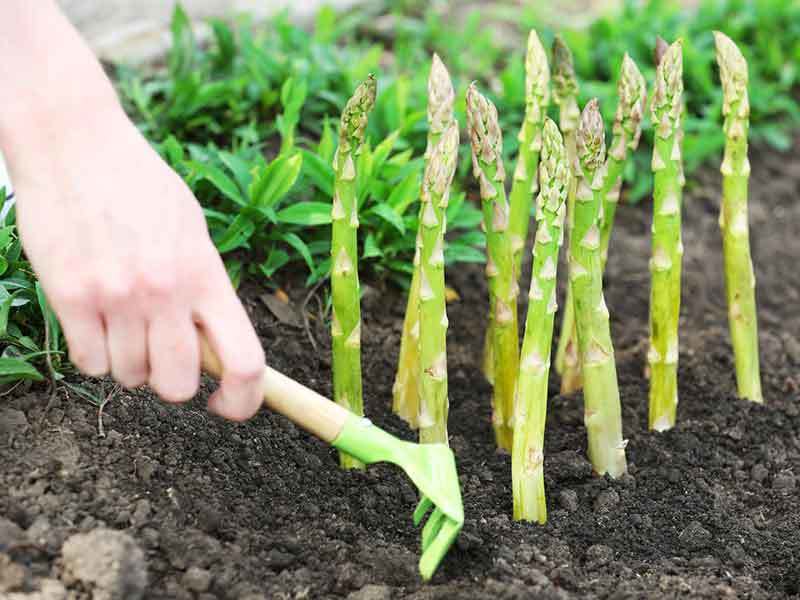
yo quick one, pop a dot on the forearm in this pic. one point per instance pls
(51, 77)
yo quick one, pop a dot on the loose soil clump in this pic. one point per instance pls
(260, 510)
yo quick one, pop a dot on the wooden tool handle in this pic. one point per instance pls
(305, 407)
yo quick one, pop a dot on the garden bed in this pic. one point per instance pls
(709, 509)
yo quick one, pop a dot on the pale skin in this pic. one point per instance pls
(116, 238)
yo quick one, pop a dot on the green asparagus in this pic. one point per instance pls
(565, 92)
(527, 461)
(406, 384)
(667, 255)
(739, 279)
(627, 129)
(346, 322)
(487, 167)
(603, 417)
(432, 307)
(523, 188)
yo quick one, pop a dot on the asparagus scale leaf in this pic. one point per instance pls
(487, 167)
(527, 459)
(603, 415)
(667, 246)
(405, 391)
(346, 320)
(739, 278)
(432, 306)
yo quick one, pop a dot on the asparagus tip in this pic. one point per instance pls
(732, 69)
(667, 103)
(553, 173)
(660, 49)
(537, 70)
(590, 138)
(484, 129)
(565, 83)
(441, 96)
(356, 111)
(632, 91)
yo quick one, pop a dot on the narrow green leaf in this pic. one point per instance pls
(387, 213)
(319, 171)
(306, 213)
(236, 235)
(273, 182)
(295, 242)
(14, 369)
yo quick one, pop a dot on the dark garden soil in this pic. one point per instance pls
(261, 510)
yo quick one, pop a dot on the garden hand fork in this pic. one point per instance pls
(431, 467)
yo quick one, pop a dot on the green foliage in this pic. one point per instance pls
(29, 331)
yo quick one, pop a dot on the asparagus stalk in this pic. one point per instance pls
(406, 384)
(432, 307)
(346, 324)
(627, 129)
(565, 92)
(487, 166)
(523, 188)
(601, 392)
(527, 461)
(665, 264)
(739, 279)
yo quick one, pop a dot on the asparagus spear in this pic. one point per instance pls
(346, 325)
(601, 393)
(406, 384)
(527, 461)
(627, 129)
(739, 279)
(487, 166)
(432, 307)
(565, 92)
(523, 188)
(665, 264)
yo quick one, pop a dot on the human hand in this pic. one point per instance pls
(122, 250)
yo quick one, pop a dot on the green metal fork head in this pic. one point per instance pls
(432, 468)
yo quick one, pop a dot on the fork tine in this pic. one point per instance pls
(438, 547)
(423, 507)
(432, 527)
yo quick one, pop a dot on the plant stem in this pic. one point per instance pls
(627, 129)
(405, 392)
(603, 416)
(346, 323)
(432, 307)
(523, 188)
(527, 461)
(487, 163)
(740, 283)
(665, 264)
(565, 92)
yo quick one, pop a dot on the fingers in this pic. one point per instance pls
(127, 347)
(231, 336)
(173, 355)
(86, 337)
